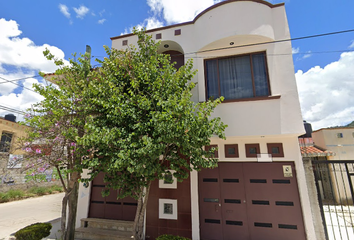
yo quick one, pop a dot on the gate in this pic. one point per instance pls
(334, 182)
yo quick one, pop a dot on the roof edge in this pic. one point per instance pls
(201, 14)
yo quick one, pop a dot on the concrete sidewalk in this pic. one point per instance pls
(19, 214)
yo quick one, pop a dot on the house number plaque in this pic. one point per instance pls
(288, 172)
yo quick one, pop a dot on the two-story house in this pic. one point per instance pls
(258, 190)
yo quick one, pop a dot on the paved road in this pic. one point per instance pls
(18, 214)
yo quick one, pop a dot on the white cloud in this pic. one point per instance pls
(22, 52)
(295, 50)
(148, 23)
(101, 21)
(176, 11)
(153, 23)
(326, 94)
(352, 44)
(102, 12)
(21, 58)
(64, 10)
(21, 101)
(81, 11)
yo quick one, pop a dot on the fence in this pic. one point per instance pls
(334, 182)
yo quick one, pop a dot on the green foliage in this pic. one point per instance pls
(15, 194)
(171, 237)
(35, 231)
(144, 120)
(40, 190)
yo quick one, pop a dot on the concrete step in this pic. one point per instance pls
(101, 234)
(108, 224)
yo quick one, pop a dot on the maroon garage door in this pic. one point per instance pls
(249, 201)
(110, 207)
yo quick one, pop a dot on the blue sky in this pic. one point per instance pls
(324, 66)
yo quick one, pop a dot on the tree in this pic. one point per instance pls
(57, 124)
(144, 122)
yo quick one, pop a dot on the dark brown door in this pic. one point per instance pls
(255, 200)
(110, 207)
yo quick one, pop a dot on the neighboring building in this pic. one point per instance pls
(10, 157)
(338, 140)
(259, 190)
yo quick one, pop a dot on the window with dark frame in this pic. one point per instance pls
(216, 154)
(125, 42)
(275, 149)
(252, 150)
(237, 77)
(231, 151)
(5, 142)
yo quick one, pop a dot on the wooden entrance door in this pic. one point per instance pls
(110, 207)
(249, 201)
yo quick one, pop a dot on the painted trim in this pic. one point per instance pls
(162, 215)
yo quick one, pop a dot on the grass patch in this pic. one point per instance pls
(16, 194)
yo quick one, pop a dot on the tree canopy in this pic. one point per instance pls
(144, 122)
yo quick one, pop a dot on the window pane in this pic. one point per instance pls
(212, 79)
(260, 75)
(235, 77)
(275, 150)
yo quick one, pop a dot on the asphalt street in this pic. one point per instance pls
(18, 214)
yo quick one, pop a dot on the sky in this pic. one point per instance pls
(323, 66)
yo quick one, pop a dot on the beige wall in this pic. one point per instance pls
(16, 129)
(342, 147)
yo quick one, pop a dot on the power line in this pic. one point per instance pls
(19, 79)
(17, 84)
(277, 41)
(2, 107)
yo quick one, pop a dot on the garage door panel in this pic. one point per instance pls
(257, 202)
(109, 207)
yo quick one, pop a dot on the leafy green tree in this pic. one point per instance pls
(56, 124)
(143, 122)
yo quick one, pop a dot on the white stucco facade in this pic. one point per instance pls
(233, 28)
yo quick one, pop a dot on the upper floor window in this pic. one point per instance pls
(5, 142)
(237, 77)
(339, 135)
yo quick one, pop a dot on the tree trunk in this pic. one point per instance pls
(72, 204)
(140, 213)
(63, 213)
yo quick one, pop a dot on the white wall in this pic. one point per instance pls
(243, 22)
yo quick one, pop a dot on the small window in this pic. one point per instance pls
(5, 142)
(275, 149)
(158, 36)
(231, 150)
(208, 148)
(177, 32)
(168, 208)
(168, 179)
(252, 150)
(339, 135)
(353, 134)
(125, 42)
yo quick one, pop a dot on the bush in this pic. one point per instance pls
(171, 237)
(15, 194)
(38, 190)
(35, 231)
